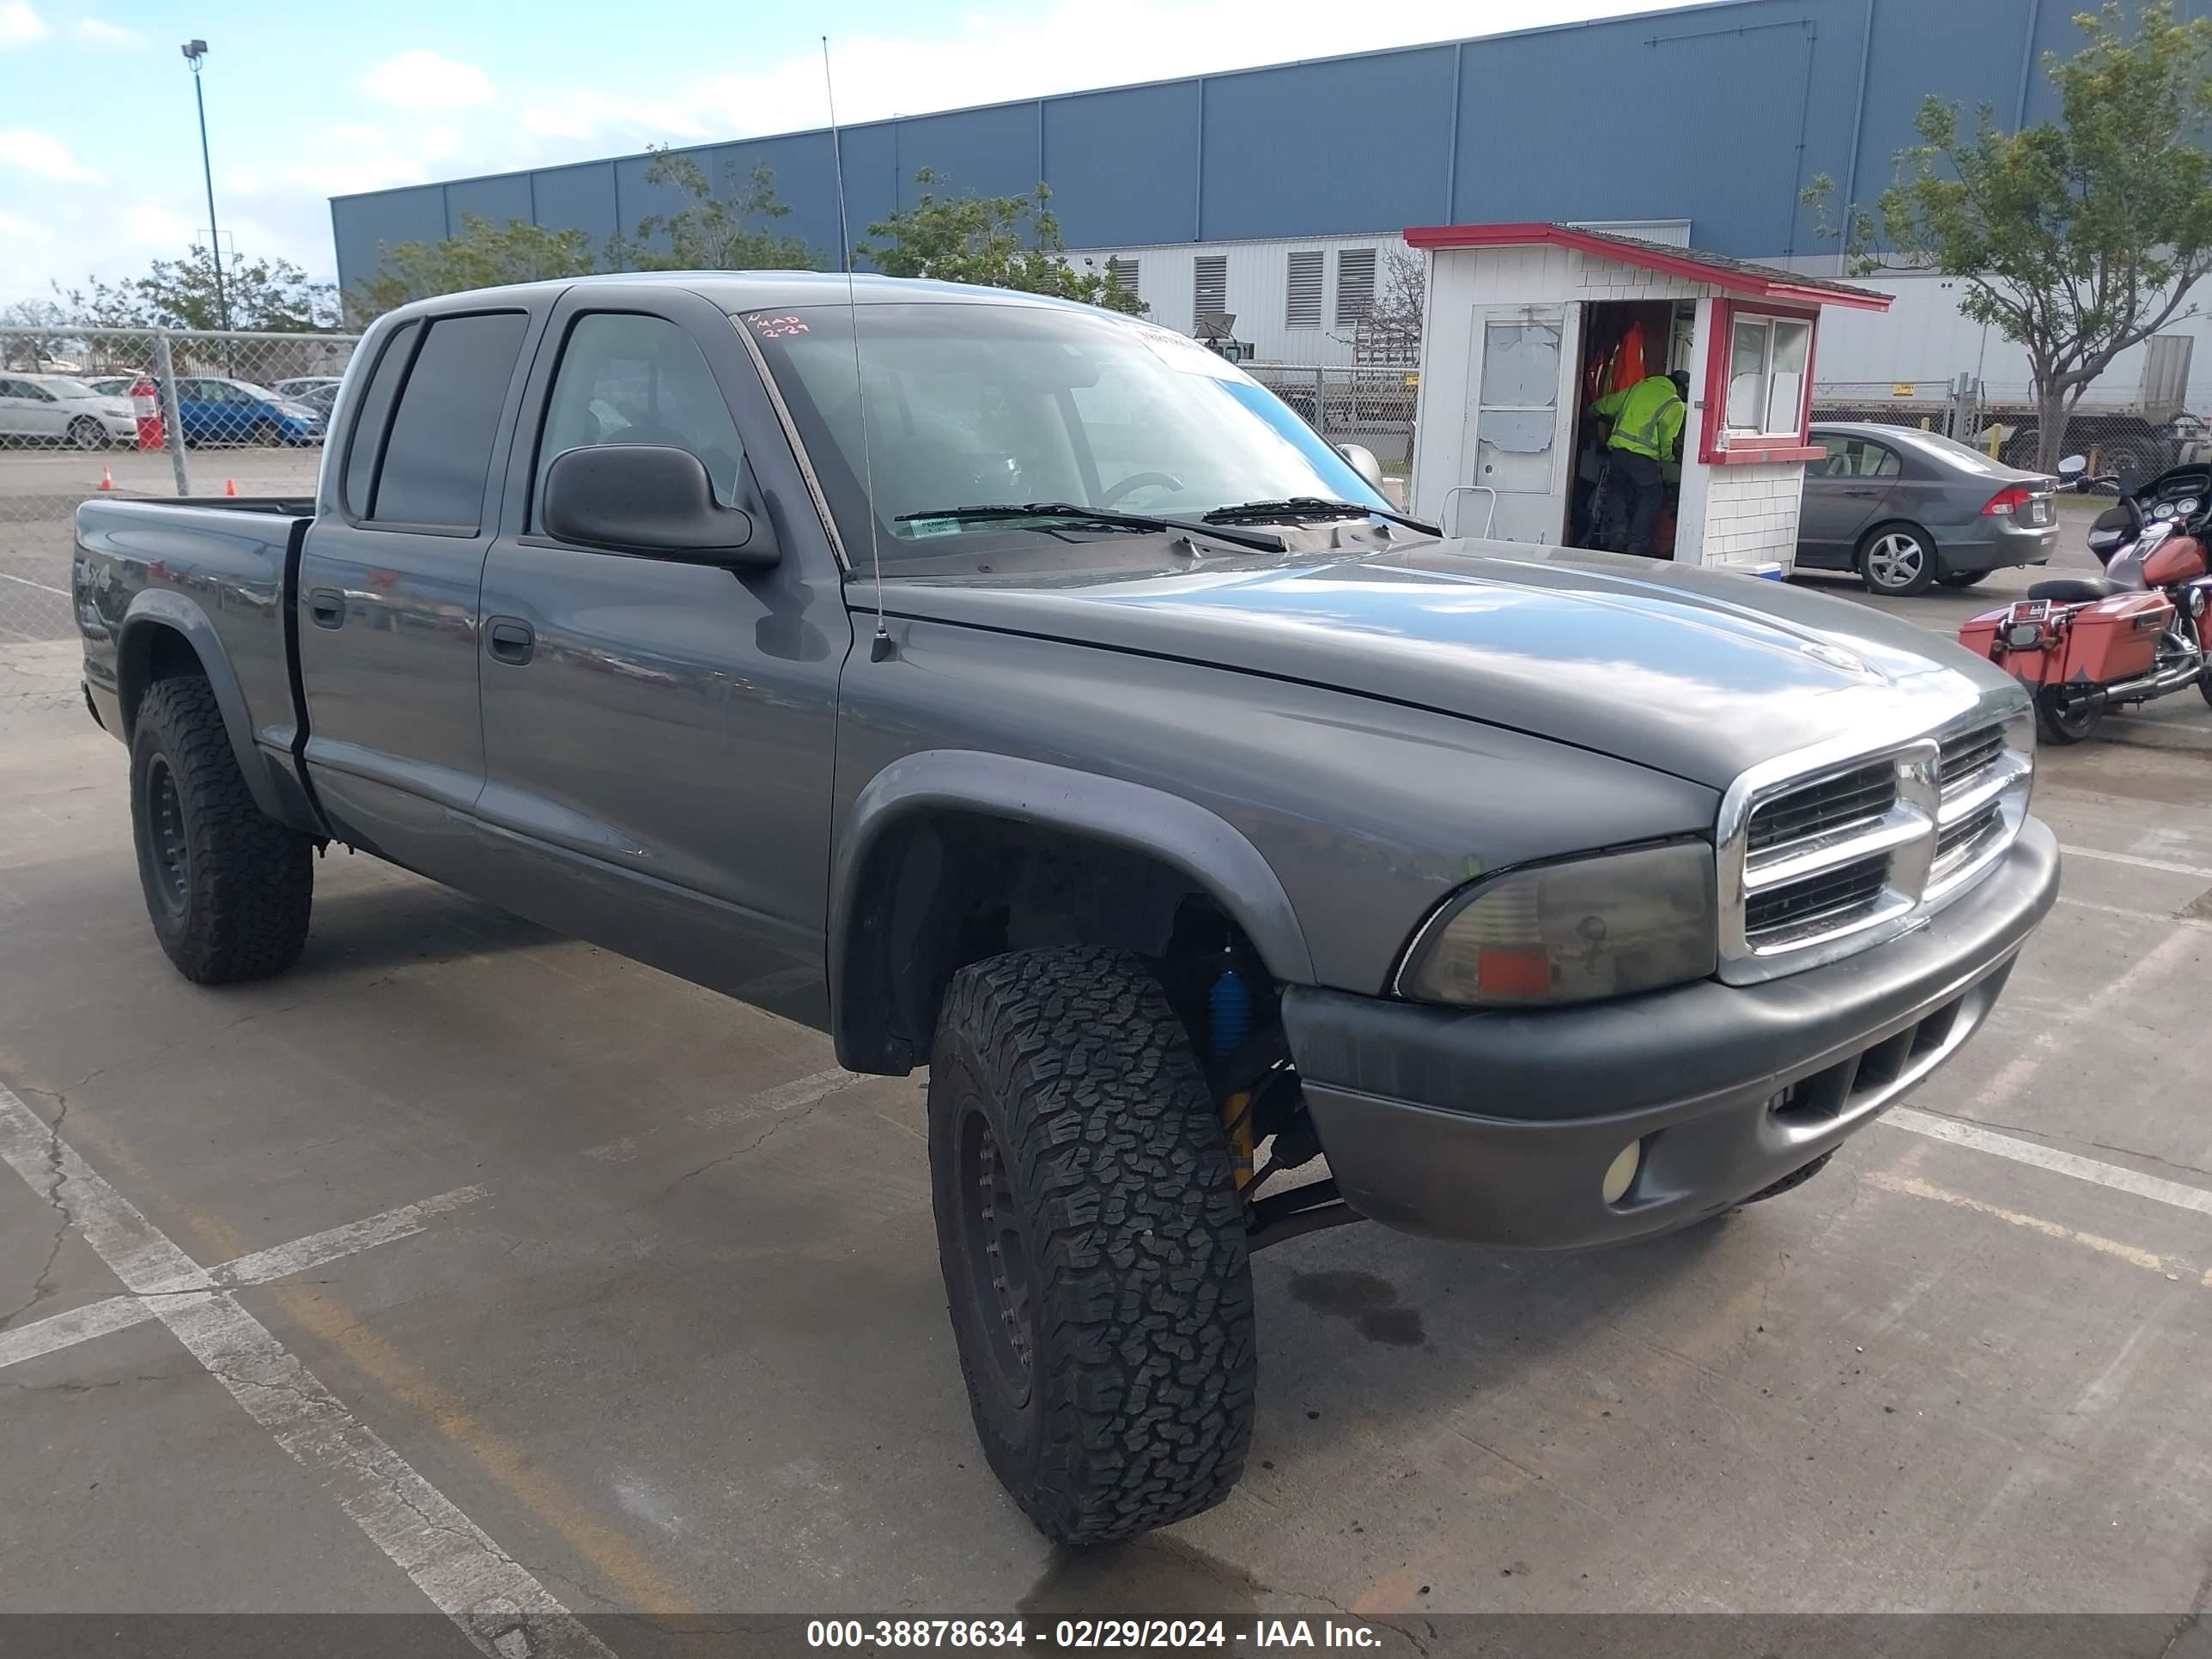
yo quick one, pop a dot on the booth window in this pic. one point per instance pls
(1757, 400)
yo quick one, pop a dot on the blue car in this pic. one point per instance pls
(239, 412)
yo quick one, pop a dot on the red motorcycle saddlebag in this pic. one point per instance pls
(2039, 644)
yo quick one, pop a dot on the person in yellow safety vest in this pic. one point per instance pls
(1647, 428)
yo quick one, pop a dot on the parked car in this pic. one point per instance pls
(321, 398)
(115, 386)
(53, 409)
(1905, 509)
(238, 411)
(301, 386)
(1072, 720)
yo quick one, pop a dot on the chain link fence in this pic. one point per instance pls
(1369, 406)
(2114, 437)
(144, 412)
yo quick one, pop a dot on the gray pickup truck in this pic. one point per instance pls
(1191, 815)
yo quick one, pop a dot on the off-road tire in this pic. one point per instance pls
(227, 887)
(1796, 1178)
(1132, 1406)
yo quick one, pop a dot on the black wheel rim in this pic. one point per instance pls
(996, 1247)
(169, 859)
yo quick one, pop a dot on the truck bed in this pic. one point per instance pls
(215, 573)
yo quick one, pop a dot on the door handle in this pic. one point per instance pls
(511, 638)
(327, 606)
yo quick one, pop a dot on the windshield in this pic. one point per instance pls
(977, 406)
(1951, 453)
(62, 388)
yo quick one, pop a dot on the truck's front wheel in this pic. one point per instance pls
(229, 888)
(1092, 1243)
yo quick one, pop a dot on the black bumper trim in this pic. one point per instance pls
(1497, 1126)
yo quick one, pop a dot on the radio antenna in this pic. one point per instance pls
(880, 647)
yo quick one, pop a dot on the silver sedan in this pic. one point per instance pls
(53, 409)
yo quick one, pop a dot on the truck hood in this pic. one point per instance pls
(1697, 672)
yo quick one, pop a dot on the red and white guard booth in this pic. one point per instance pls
(1527, 325)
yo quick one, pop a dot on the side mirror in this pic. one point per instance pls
(649, 499)
(1364, 463)
(2073, 465)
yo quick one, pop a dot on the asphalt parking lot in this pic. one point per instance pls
(467, 1259)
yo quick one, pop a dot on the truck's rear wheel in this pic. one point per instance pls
(227, 887)
(1092, 1245)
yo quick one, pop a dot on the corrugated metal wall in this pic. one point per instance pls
(1716, 114)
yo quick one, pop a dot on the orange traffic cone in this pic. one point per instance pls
(230, 486)
(107, 479)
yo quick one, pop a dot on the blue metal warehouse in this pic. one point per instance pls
(1716, 115)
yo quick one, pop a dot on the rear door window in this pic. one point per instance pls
(439, 453)
(366, 442)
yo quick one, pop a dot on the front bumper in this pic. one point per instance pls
(1498, 1128)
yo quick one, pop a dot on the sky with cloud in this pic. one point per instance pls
(99, 165)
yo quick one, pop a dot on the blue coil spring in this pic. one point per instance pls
(1229, 1013)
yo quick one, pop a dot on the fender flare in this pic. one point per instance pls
(160, 607)
(1180, 833)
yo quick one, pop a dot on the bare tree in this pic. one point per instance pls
(1390, 332)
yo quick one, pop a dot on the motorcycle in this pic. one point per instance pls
(2143, 629)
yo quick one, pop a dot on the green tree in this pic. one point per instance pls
(712, 232)
(482, 255)
(997, 241)
(274, 295)
(2077, 237)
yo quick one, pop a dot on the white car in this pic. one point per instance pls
(52, 409)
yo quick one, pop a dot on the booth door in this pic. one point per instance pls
(1520, 360)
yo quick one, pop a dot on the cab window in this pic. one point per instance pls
(628, 378)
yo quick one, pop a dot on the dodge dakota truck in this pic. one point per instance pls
(1022, 691)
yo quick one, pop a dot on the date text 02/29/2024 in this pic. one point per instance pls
(1088, 1633)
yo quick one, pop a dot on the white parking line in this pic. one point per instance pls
(467, 1576)
(2155, 1187)
(120, 1313)
(27, 582)
(2196, 870)
(783, 1097)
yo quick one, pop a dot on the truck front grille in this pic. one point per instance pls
(1817, 860)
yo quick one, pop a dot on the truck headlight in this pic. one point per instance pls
(1571, 932)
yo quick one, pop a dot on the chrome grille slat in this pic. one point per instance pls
(1962, 759)
(1820, 903)
(1862, 794)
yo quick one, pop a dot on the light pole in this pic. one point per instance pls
(194, 51)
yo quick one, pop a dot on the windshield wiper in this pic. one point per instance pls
(1311, 507)
(1258, 541)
